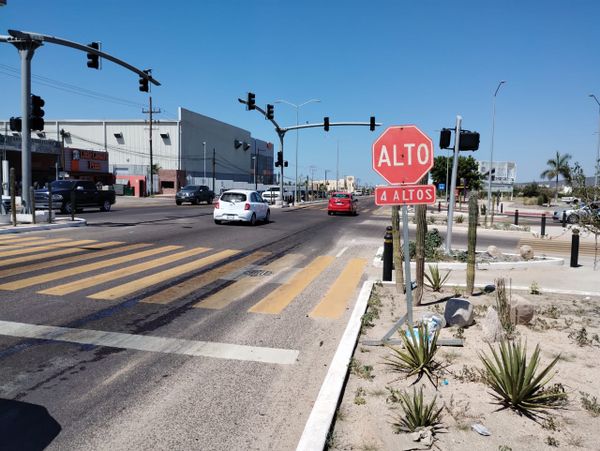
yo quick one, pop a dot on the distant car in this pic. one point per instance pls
(574, 215)
(340, 202)
(194, 194)
(241, 205)
(272, 195)
(85, 194)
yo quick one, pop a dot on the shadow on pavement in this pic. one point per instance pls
(25, 426)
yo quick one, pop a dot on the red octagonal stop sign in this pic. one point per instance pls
(403, 154)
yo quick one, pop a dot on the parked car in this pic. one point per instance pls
(273, 195)
(194, 194)
(241, 205)
(85, 193)
(340, 202)
(574, 215)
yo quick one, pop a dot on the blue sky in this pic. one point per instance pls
(406, 62)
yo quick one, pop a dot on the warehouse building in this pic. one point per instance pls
(194, 149)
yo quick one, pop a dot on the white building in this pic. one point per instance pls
(504, 174)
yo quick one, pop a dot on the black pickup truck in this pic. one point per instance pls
(86, 195)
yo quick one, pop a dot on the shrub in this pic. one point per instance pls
(417, 414)
(515, 383)
(433, 241)
(435, 280)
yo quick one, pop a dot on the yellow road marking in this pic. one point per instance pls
(20, 239)
(51, 263)
(244, 286)
(189, 286)
(23, 242)
(69, 272)
(91, 281)
(280, 298)
(36, 248)
(334, 302)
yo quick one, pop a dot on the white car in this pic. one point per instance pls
(272, 195)
(241, 205)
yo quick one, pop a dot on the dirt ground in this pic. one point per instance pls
(565, 325)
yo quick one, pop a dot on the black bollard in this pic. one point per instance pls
(516, 217)
(49, 203)
(388, 250)
(543, 233)
(575, 248)
(32, 199)
(439, 207)
(502, 207)
(73, 205)
(564, 219)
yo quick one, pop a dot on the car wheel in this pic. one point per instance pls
(330, 213)
(195, 201)
(573, 219)
(267, 217)
(253, 219)
(105, 206)
(178, 202)
(209, 201)
(217, 221)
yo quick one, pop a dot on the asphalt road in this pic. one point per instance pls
(170, 332)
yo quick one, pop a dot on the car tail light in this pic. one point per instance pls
(247, 206)
(217, 205)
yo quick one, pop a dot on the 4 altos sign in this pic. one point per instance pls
(403, 155)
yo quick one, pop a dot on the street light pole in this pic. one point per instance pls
(297, 137)
(204, 160)
(597, 165)
(489, 196)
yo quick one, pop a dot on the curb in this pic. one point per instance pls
(319, 421)
(79, 222)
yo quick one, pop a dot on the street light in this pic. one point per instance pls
(297, 123)
(204, 160)
(597, 165)
(489, 199)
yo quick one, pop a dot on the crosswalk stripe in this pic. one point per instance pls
(21, 239)
(37, 249)
(279, 299)
(29, 243)
(70, 272)
(247, 284)
(334, 302)
(189, 286)
(52, 263)
(91, 281)
(148, 281)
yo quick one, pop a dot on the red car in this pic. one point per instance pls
(342, 203)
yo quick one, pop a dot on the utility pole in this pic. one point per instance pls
(213, 171)
(453, 185)
(150, 111)
(337, 167)
(204, 162)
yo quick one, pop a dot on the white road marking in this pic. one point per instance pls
(340, 253)
(150, 343)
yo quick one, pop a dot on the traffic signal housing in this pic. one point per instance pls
(15, 124)
(372, 123)
(279, 161)
(36, 120)
(445, 138)
(326, 124)
(144, 87)
(270, 112)
(251, 101)
(468, 140)
(93, 59)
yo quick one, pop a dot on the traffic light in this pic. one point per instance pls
(279, 161)
(251, 102)
(270, 112)
(326, 123)
(445, 138)
(468, 140)
(372, 123)
(93, 59)
(36, 120)
(285, 164)
(15, 124)
(144, 83)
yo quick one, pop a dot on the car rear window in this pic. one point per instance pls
(341, 196)
(190, 188)
(233, 197)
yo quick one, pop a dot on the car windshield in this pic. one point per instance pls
(233, 197)
(189, 188)
(62, 184)
(341, 195)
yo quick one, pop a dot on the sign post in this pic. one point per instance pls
(403, 155)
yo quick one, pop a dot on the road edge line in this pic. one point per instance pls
(319, 421)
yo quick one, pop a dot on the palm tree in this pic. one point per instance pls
(558, 166)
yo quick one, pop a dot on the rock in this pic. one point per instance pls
(526, 252)
(521, 310)
(459, 312)
(493, 251)
(491, 327)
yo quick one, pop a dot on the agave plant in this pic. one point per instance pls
(515, 383)
(417, 414)
(435, 280)
(417, 358)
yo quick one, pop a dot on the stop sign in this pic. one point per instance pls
(403, 154)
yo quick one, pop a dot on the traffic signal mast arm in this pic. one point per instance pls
(331, 124)
(280, 131)
(23, 36)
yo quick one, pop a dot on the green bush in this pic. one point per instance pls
(433, 241)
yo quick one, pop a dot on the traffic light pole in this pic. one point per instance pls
(453, 185)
